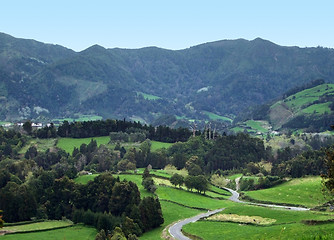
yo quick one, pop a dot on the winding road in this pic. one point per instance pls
(175, 229)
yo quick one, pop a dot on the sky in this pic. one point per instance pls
(172, 24)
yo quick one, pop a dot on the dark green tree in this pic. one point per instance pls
(177, 180)
(1, 221)
(151, 214)
(27, 127)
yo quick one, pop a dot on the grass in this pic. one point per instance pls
(155, 145)
(215, 230)
(234, 176)
(308, 96)
(258, 126)
(214, 117)
(320, 108)
(302, 191)
(41, 144)
(287, 225)
(37, 226)
(78, 231)
(84, 179)
(190, 198)
(68, 144)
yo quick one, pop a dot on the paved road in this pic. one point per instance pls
(175, 230)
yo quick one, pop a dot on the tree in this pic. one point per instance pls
(177, 180)
(148, 184)
(118, 234)
(130, 227)
(150, 212)
(200, 183)
(328, 179)
(27, 127)
(146, 173)
(1, 221)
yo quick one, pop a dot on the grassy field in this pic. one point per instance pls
(320, 108)
(258, 126)
(37, 226)
(155, 145)
(68, 144)
(303, 191)
(214, 117)
(71, 233)
(288, 224)
(190, 198)
(308, 96)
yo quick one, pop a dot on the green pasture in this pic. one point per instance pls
(190, 199)
(225, 230)
(84, 179)
(68, 144)
(219, 190)
(215, 117)
(155, 145)
(238, 129)
(301, 191)
(78, 231)
(308, 96)
(37, 226)
(234, 176)
(258, 126)
(288, 224)
(320, 108)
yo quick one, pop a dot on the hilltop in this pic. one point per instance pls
(212, 81)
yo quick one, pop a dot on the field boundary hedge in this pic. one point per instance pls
(180, 204)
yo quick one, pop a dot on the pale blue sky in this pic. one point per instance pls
(168, 24)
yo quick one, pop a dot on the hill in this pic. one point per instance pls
(310, 109)
(211, 81)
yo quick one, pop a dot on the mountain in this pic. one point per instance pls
(208, 81)
(309, 109)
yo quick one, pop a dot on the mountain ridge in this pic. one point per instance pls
(234, 74)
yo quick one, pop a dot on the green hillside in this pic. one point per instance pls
(310, 109)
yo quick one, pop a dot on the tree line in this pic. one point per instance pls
(105, 127)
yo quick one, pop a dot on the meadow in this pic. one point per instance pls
(155, 145)
(214, 117)
(302, 191)
(68, 144)
(287, 224)
(37, 226)
(75, 232)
